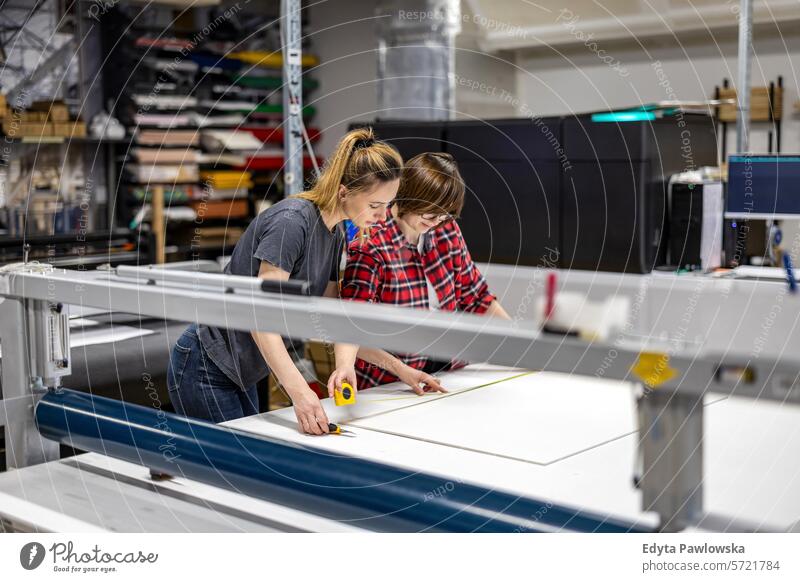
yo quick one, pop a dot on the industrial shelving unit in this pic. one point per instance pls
(50, 31)
(766, 108)
(216, 79)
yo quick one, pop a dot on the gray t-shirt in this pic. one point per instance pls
(292, 236)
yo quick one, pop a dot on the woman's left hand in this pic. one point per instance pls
(416, 378)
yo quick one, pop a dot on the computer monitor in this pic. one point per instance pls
(763, 187)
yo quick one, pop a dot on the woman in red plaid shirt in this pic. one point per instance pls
(417, 258)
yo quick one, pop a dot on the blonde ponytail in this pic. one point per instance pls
(359, 162)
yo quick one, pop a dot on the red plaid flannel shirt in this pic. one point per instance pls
(386, 268)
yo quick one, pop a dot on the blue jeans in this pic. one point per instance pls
(198, 388)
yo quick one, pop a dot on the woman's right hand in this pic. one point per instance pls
(340, 375)
(419, 381)
(311, 417)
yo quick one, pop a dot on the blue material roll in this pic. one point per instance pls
(364, 493)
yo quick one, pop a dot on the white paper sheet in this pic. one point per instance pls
(534, 418)
(118, 333)
(79, 337)
(81, 322)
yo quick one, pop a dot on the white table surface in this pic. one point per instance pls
(565, 439)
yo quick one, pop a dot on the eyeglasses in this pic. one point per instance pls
(437, 217)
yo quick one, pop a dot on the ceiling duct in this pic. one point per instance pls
(416, 58)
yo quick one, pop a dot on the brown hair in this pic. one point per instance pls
(431, 183)
(359, 162)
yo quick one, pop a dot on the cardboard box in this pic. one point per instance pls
(759, 104)
(321, 355)
(70, 129)
(59, 113)
(277, 395)
(78, 129)
(33, 117)
(38, 129)
(55, 111)
(19, 129)
(221, 209)
(62, 129)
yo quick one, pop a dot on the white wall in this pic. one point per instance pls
(475, 67)
(577, 80)
(574, 79)
(343, 34)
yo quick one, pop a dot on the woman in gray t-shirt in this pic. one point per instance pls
(213, 371)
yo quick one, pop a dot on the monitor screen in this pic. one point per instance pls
(763, 187)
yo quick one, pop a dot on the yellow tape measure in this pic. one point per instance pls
(344, 395)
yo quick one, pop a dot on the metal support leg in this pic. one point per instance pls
(671, 451)
(292, 97)
(24, 444)
(743, 83)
